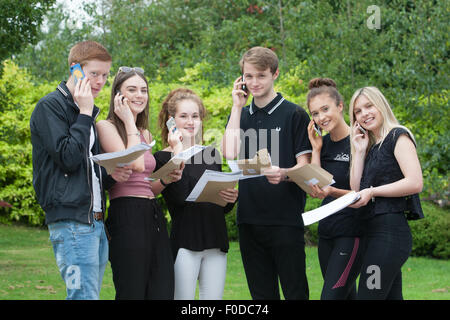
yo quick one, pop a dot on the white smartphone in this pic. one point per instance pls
(171, 124)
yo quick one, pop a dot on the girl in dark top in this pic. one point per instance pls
(198, 234)
(386, 169)
(340, 247)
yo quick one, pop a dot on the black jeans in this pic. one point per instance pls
(340, 261)
(389, 244)
(139, 250)
(272, 252)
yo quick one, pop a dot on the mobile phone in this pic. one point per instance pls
(122, 97)
(317, 129)
(244, 87)
(171, 124)
(361, 129)
(76, 72)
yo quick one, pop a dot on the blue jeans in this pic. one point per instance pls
(81, 252)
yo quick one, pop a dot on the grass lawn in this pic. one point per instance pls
(28, 271)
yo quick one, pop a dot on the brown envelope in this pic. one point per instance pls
(253, 166)
(165, 170)
(211, 192)
(310, 172)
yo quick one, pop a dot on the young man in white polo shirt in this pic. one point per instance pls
(271, 231)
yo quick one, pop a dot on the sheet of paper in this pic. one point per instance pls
(324, 211)
(111, 160)
(210, 183)
(189, 153)
(175, 162)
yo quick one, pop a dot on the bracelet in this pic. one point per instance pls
(134, 134)
(163, 183)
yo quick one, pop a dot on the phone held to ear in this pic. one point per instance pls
(317, 129)
(363, 131)
(171, 124)
(244, 87)
(76, 72)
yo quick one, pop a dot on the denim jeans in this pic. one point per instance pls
(81, 252)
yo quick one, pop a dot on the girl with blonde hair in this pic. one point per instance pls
(385, 169)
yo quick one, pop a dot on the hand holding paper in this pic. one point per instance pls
(310, 174)
(324, 211)
(212, 185)
(111, 160)
(175, 163)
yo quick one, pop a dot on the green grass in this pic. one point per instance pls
(28, 271)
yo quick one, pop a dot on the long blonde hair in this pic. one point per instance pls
(380, 102)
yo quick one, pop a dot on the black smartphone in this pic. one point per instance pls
(244, 87)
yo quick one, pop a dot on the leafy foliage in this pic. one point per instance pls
(198, 44)
(20, 24)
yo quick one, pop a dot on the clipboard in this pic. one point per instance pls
(111, 160)
(310, 173)
(253, 166)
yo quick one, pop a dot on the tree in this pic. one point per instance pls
(19, 24)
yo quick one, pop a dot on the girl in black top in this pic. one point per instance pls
(340, 247)
(198, 234)
(386, 169)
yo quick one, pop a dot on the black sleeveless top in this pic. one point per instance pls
(380, 168)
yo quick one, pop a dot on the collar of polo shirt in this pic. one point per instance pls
(270, 107)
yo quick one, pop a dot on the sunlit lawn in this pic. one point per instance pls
(28, 271)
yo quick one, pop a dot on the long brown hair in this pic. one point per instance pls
(141, 119)
(169, 109)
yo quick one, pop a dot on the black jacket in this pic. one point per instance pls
(62, 171)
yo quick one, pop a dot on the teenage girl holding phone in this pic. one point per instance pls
(385, 169)
(340, 247)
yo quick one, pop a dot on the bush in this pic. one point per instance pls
(19, 95)
(431, 235)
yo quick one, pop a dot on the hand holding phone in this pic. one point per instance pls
(317, 129)
(77, 72)
(171, 124)
(363, 131)
(244, 86)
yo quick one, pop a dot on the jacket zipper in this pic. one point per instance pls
(89, 176)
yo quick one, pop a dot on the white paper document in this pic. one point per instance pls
(324, 211)
(175, 162)
(189, 153)
(211, 175)
(111, 160)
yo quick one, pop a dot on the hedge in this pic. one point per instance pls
(19, 95)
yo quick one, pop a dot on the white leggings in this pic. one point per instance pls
(208, 266)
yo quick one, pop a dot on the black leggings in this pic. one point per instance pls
(139, 250)
(340, 261)
(389, 244)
